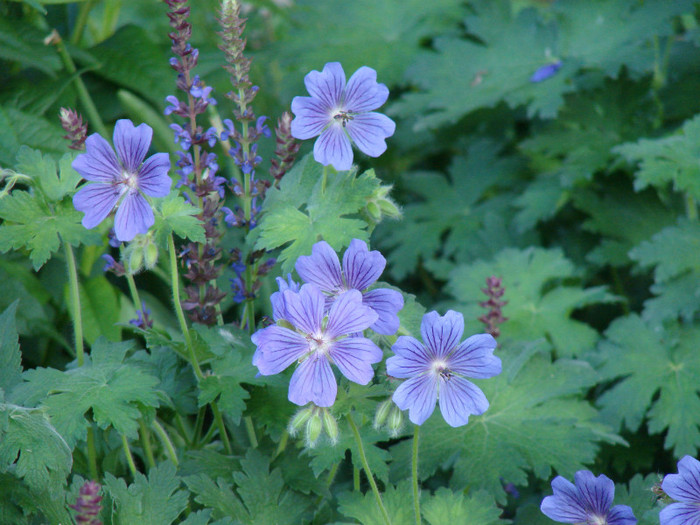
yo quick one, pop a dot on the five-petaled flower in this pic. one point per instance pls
(361, 268)
(121, 179)
(315, 342)
(437, 370)
(586, 503)
(340, 113)
(685, 488)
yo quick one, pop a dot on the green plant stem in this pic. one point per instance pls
(146, 443)
(129, 457)
(250, 430)
(75, 300)
(134, 291)
(368, 471)
(222, 428)
(198, 424)
(86, 100)
(92, 454)
(414, 474)
(355, 479)
(691, 207)
(81, 22)
(324, 180)
(282, 444)
(165, 440)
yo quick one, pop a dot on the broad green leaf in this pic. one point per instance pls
(363, 507)
(174, 215)
(55, 182)
(302, 211)
(23, 43)
(656, 373)
(18, 128)
(217, 496)
(10, 356)
(446, 507)
(156, 500)
(639, 496)
(99, 306)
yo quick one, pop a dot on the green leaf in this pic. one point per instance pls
(10, 356)
(446, 506)
(541, 297)
(175, 215)
(55, 183)
(32, 449)
(114, 391)
(667, 160)
(638, 495)
(657, 374)
(302, 212)
(217, 496)
(156, 500)
(536, 422)
(363, 507)
(100, 309)
(23, 43)
(18, 128)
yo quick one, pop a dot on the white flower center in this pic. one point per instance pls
(130, 180)
(319, 344)
(598, 520)
(441, 369)
(342, 116)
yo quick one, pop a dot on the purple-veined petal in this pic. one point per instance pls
(98, 163)
(459, 399)
(360, 266)
(277, 348)
(474, 357)
(363, 93)
(565, 505)
(387, 303)
(305, 309)
(411, 359)
(310, 117)
(354, 357)
(596, 493)
(313, 381)
(153, 178)
(368, 131)
(321, 268)
(442, 334)
(97, 200)
(348, 315)
(418, 395)
(131, 143)
(679, 514)
(623, 515)
(327, 85)
(333, 147)
(684, 486)
(134, 216)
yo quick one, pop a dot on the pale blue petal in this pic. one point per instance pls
(459, 399)
(565, 505)
(333, 147)
(442, 334)
(305, 308)
(363, 93)
(596, 493)
(313, 381)
(348, 315)
(387, 303)
(369, 130)
(680, 514)
(97, 200)
(411, 359)
(153, 178)
(321, 268)
(418, 395)
(277, 348)
(684, 486)
(311, 116)
(361, 267)
(134, 216)
(474, 357)
(131, 143)
(98, 163)
(354, 356)
(328, 85)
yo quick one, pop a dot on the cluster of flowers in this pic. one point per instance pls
(322, 322)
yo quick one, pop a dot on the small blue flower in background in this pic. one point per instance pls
(685, 488)
(342, 113)
(315, 343)
(546, 71)
(437, 370)
(121, 180)
(361, 268)
(587, 502)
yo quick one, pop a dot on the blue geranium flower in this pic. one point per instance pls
(587, 502)
(342, 113)
(437, 370)
(685, 488)
(315, 341)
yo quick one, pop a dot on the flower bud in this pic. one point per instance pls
(395, 421)
(382, 413)
(135, 259)
(150, 253)
(298, 420)
(313, 429)
(330, 424)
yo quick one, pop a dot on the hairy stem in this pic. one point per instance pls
(92, 454)
(75, 301)
(165, 440)
(129, 456)
(146, 443)
(414, 475)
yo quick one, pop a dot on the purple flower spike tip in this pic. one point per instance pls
(586, 501)
(315, 341)
(684, 487)
(545, 72)
(341, 114)
(121, 180)
(436, 370)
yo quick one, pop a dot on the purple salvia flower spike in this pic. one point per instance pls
(683, 487)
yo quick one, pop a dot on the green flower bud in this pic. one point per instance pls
(313, 430)
(395, 421)
(382, 413)
(298, 420)
(135, 258)
(331, 426)
(374, 211)
(150, 254)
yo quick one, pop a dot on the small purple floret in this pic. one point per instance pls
(361, 268)
(342, 114)
(545, 72)
(586, 501)
(121, 180)
(436, 370)
(684, 487)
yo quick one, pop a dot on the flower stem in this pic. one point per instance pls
(691, 207)
(414, 475)
(222, 429)
(129, 457)
(146, 443)
(92, 454)
(250, 430)
(81, 21)
(165, 440)
(324, 180)
(134, 291)
(75, 300)
(368, 471)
